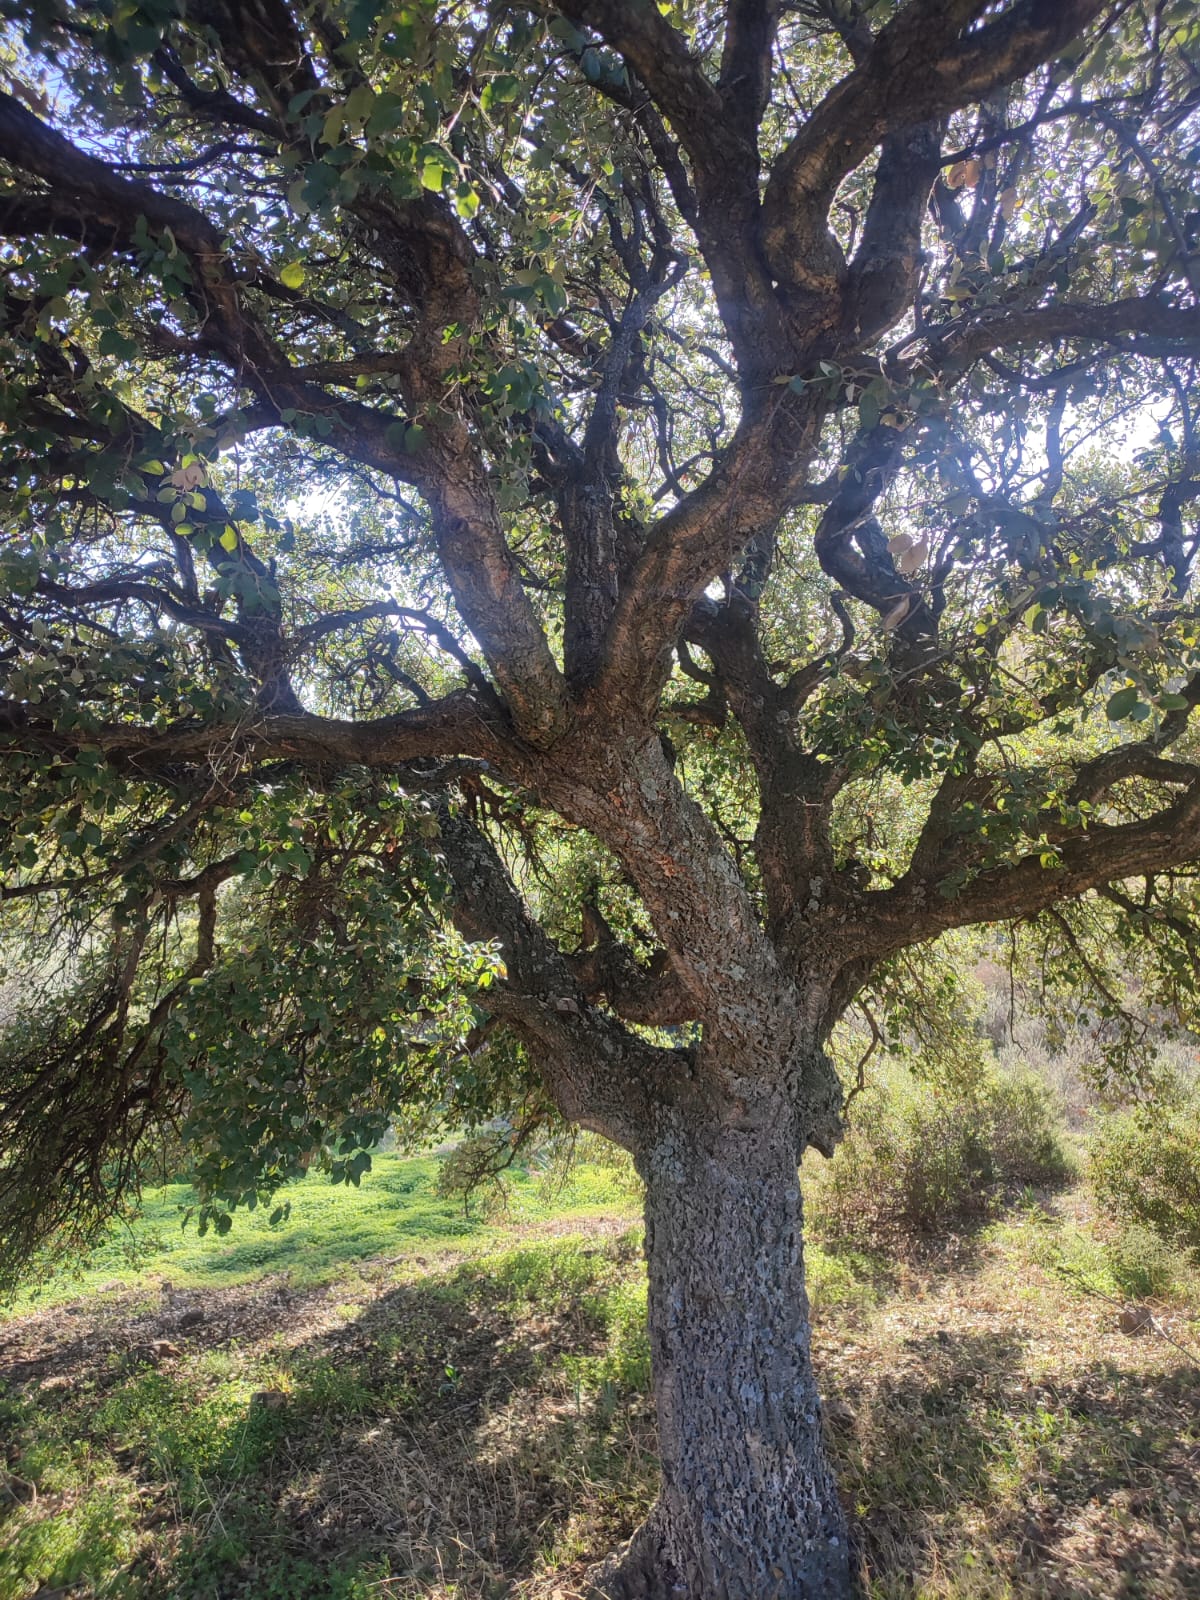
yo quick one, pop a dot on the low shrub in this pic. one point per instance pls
(1145, 1170)
(924, 1157)
(1142, 1266)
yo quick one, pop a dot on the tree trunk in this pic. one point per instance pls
(748, 1509)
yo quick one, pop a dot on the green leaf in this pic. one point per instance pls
(361, 103)
(505, 88)
(432, 174)
(115, 343)
(331, 132)
(229, 539)
(292, 276)
(1122, 703)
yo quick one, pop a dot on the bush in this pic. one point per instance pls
(1145, 1170)
(923, 1157)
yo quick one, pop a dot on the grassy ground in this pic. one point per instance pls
(459, 1411)
(396, 1211)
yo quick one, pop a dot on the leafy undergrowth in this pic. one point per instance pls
(470, 1427)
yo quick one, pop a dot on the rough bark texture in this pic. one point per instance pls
(544, 686)
(748, 1509)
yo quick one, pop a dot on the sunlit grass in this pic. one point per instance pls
(395, 1212)
(436, 1406)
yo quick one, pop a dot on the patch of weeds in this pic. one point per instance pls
(623, 1367)
(396, 1208)
(1143, 1267)
(188, 1432)
(319, 1384)
(245, 1569)
(554, 1276)
(87, 1536)
(843, 1279)
(1126, 1262)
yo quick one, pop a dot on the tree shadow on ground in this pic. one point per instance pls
(457, 1430)
(486, 1432)
(966, 1478)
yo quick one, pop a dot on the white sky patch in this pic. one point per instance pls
(313, 503)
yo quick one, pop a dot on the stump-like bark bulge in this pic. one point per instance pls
(748, 1509)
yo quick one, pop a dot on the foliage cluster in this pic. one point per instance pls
(1145, 1169)
(926, 1156)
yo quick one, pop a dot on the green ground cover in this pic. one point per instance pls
(390, 1400)
(395, 1211)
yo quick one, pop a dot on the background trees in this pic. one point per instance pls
(546, 547)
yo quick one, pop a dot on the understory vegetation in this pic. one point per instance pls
(923, 1157)
(608, 564)
(1146, 1171)
(411, 1394)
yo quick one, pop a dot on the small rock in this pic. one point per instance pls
(190, 1319)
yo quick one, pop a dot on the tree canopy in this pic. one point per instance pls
(545, 545)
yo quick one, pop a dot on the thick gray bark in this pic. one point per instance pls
(747, 1509)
